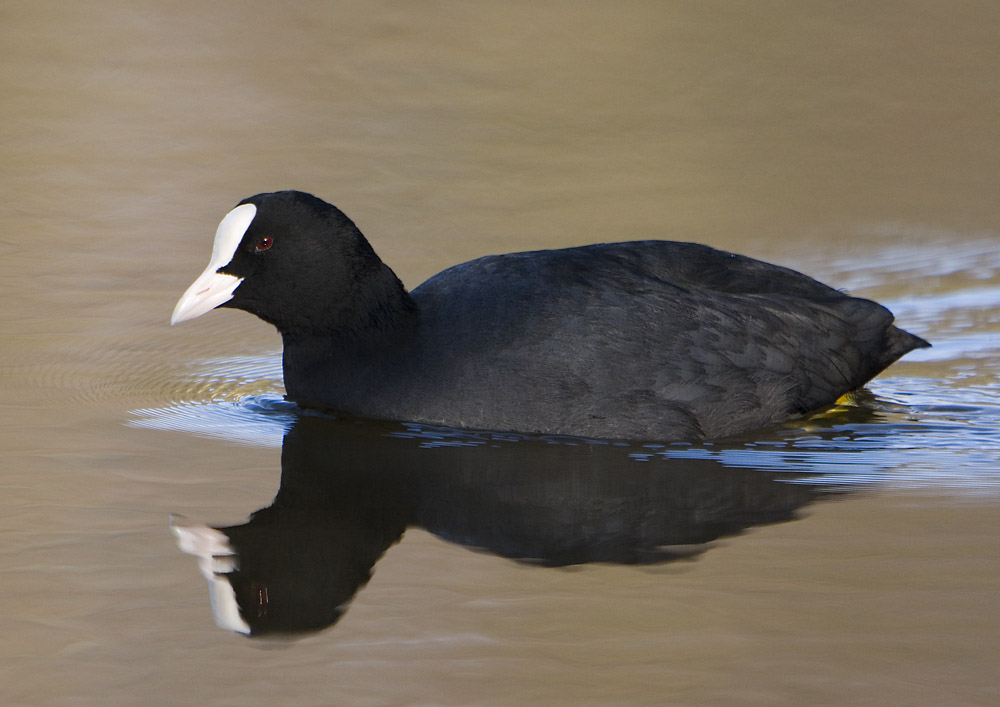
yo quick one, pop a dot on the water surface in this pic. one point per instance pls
(846, 559)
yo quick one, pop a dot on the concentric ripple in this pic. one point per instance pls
(240, 399)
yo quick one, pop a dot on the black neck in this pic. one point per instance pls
(385, 311)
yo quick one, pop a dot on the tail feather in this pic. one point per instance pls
(898, 343)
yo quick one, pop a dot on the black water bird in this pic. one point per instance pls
(654, 340)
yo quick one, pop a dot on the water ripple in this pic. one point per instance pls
(914, 433)
(238, 399)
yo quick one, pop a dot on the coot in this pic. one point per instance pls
(652, 340)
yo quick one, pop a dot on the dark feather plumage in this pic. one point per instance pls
(655, 340)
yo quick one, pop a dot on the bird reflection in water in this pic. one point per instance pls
(350, 488)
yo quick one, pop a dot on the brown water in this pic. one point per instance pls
(859, 143)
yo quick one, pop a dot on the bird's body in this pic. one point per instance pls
(654, 340)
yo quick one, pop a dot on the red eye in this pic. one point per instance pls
(263, 244)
